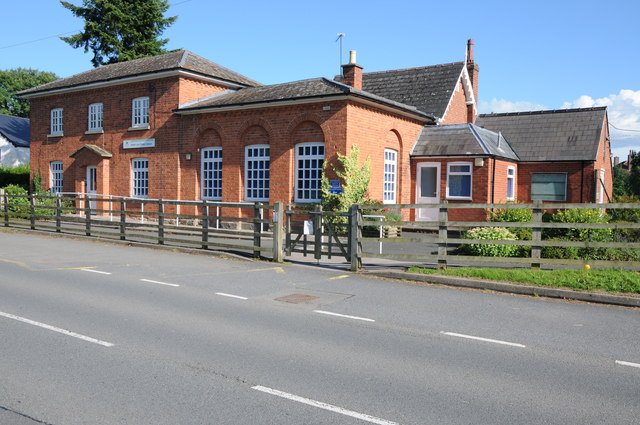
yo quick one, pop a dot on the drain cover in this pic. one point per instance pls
(297, 298)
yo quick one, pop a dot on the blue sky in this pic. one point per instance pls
(532, 54)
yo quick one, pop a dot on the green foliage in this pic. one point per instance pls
(14, 80)
(18, 200)
(18, 175)
(580, 215)
(513, 215)
(354, 179)
(626, 215)
(490, 250)
(634, 181)
(620, 182)
(609, 280)
(120, 30)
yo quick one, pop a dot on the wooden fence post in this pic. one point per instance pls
(278, 220)
(87, 216)
(160, 222)
(32, 209)
(58, 214)
(6, 209)
(257, 224)
(205, 224)
(536, 236)
(123, 219)
(317, 232)
(443, 234)
(355, 237)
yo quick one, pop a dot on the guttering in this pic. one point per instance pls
(133, 79)
(302, 101)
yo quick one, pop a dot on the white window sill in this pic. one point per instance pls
(141, 127)
(459, 198)
(101, 131)
(55, 135)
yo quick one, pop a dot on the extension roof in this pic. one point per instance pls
(15, 130)
(297, 91)
(557, 135)
(428, 88)
(461, 140)
(181, 60)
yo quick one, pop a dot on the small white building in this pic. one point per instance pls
(14, 140)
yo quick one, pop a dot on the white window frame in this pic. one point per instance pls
(211, 174)
(56, 176)
(460, 173)
(566, 181)
(140, 178)
(140, 112)
(300, 189)
(390, 176)
(56, 121)
(95, 117)
(511, 178)
(256, 173)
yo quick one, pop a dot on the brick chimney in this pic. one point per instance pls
(472, 68)
(352, 73)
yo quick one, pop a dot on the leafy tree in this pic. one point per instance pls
(355, 182)
(634, 181)
(15, 80)
(620, 182)
(120, 30)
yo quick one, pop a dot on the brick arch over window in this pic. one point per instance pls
(254, 122)
(308, 141)
(393, 140)
(309, 119)
(255, 135)
(207, 138)
(307, 132)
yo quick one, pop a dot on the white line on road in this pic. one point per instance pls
(495, 341)
(324, 406)
(231, 296)
(343, 315)
(160, 283)
(623, 363)
(93, 271)
(59, 330)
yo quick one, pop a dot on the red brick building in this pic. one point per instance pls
(178, 126)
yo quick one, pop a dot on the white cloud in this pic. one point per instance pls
(503, 105)
(624, 113)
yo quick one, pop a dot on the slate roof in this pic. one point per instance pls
(93, 149)
(15, 130)
(461, 140)
(296, 90)
(557, 135)
(428, 88)
(180, 60)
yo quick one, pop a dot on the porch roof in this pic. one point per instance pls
(97, 150)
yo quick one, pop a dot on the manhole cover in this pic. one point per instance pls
(297, 298)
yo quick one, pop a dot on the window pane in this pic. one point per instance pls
(548, 186)
(211, 174)
(257, 173)
(460, 186)
(310, 160)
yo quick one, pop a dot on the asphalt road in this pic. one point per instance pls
(92, 333)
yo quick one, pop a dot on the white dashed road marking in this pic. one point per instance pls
(93, 271)
(343, 315)
(55, 329)
(325, 406)
(477, 338)
(623, 363)
(160, 283)
(231, 296)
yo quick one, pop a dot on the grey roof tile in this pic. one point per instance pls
(15, 130)
(557, 135)
(181, 59)
(461, 139)
(428, 88)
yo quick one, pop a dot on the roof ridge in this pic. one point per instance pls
(414, 68)
(545, 111)
(15, 117)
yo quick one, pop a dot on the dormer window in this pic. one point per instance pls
(95, 117)
(140, 112)
(56, 122)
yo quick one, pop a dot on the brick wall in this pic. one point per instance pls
(457, 112)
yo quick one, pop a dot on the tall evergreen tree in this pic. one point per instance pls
(120, 30)
(15, 80)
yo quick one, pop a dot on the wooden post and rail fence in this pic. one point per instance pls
(273, 232)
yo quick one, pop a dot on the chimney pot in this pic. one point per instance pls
(352, 72)
(352, 57)
(470, 50)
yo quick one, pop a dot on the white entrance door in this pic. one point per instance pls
(428, 190)
(91, 186)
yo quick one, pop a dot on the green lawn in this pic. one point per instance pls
(608, 280)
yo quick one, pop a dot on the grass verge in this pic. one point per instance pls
(607, 280)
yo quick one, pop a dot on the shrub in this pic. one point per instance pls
(490, 250)
(626, 215)
(18, 200)
(15, 176)
(515, 215)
